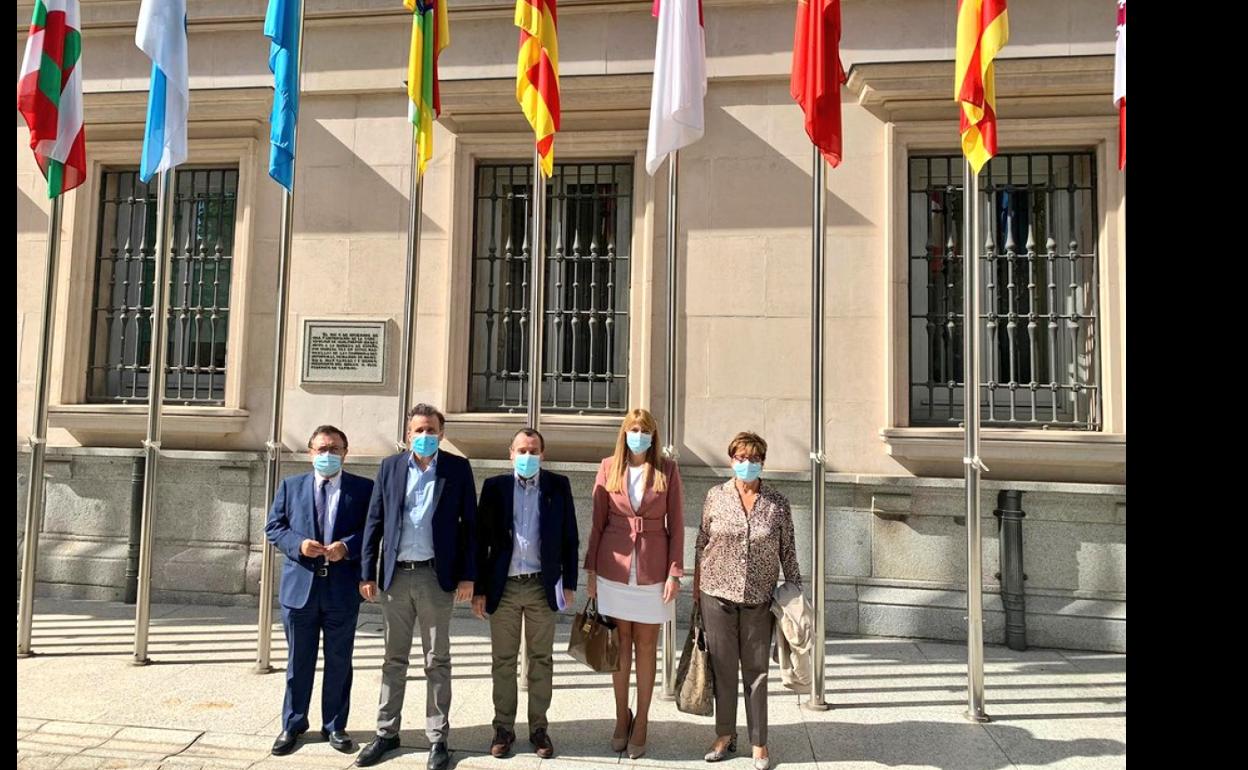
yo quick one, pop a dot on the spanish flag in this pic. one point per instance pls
(537, 74)
(983, 30)
(431, 33)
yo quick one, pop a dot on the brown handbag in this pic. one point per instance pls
(695, 681)
(595, 640)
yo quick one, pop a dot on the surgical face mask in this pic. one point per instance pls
(327, 463)
(747, 471)
(527, 465)
(425, 444)
(638, 442)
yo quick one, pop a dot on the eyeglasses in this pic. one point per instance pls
(746, 459)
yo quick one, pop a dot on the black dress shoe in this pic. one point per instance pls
(338, 739)
(374, 751)
(541, 743)
(285, 742)
(439, 756)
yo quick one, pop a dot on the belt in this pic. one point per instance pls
(409, 565)
(322, 572)
(527, 577)
(635, 525)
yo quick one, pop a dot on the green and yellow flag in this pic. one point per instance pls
(430, 34)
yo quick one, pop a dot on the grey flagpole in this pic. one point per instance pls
(670, 415)
(273, 447)
(35, 483)
(537, 320)
(818, 490)
(971, 461)
(416, 196)
(155, 399)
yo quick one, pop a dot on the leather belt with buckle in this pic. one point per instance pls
(410, 565)
(526, 577)
(322, 571)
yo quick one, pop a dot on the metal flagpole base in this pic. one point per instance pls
(258, 669)
(820, 706)
(979, 718)
(144, 662)
(30, 654)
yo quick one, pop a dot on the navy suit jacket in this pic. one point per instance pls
(496, 535)
(454, 521)
(293, 520)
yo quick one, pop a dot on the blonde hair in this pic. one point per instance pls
(619, 459)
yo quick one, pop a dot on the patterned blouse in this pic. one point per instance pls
(739, 557)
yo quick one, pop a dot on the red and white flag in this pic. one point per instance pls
(1120, 82)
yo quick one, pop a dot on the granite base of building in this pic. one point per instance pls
(896, 546)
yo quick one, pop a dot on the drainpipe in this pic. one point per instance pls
(138, 473)
(1010, 515)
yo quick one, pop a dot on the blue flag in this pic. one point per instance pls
(281, 26)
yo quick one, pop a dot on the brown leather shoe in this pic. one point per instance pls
(541, 743)
(501, 745)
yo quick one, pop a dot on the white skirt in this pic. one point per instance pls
(631, 602)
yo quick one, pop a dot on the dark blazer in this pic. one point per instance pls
(454, 521)
(496, 535)
(293, 520)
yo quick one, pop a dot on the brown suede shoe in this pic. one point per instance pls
(541, 743)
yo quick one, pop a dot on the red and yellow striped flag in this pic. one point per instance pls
(431, 33)
(537, 74)
(983, 30)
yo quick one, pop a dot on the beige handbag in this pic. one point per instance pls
(695, 683)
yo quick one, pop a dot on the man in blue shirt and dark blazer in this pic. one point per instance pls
(317, 522)
(419, 557)
(527, 566)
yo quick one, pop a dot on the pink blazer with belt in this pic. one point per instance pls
(656, 530)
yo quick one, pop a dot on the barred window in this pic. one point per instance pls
(205, 203)
(1040, 365)
(588, 244)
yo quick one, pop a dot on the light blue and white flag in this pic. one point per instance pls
(161, 34)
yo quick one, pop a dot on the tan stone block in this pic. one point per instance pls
(787, 431)
(710, 423)
(725, 276)
(318, 270)
(327, 130)
(320, 206)
(378, 200)
(375, 275)
(759, 357)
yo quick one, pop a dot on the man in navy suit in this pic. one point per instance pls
(317, 522)
(526, 566)
(419, 557)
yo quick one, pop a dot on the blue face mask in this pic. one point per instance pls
(327, 463)
(747, 471)
(637, 441)
(527, 465)
(425, 444)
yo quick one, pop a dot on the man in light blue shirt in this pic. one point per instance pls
(526, 569)
(418, 560)
(416, 532)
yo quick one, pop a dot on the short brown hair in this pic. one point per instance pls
(530, 432)
(425, 410)
(328, 429)
(751, 442)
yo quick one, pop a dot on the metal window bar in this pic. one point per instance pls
(205, 208)
(588, 242)
(1039, 269)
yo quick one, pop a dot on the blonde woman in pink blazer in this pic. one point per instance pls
(634, 562)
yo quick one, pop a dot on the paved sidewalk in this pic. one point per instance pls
(898, 703)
